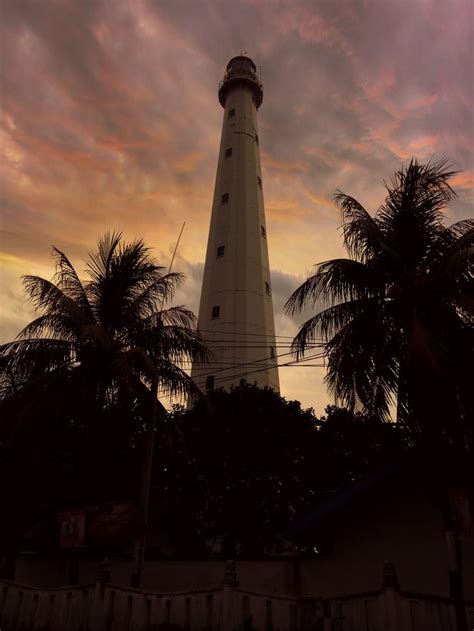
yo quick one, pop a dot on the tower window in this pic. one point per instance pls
(263, 232)
(272, 352)
(256, 139)
(225, 198)
(228, 152)
(215, 311)
(267, 288)
(220, 251)
(232, 113)
(259, 180)
(210, 382)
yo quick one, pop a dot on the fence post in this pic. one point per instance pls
(390, 600)
(98, 604)
(229, 583)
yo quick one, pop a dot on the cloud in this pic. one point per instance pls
(111, 121)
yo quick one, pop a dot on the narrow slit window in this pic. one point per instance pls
(272, 352)
(210, 382)
(216, 311)
(259, 180)
(267, 288)
(225, 198)
(228, 152)
(220, 251)
(232, 113)
(263, 232)
(256, 139)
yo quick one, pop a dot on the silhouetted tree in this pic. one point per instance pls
(249, 451)
(247, 463)
(351, 446)
(100, 344)
(398, 314)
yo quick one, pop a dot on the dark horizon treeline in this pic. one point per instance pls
(231, 475)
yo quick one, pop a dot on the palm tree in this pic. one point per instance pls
(397, 315)
(102, 340)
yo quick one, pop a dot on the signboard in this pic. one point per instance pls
(72, 528)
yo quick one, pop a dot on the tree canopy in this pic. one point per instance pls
(397, 314)
(80, 383)
(246, 463)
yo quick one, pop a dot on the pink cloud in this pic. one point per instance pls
(112, 119)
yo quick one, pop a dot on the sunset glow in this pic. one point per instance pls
(111, 122)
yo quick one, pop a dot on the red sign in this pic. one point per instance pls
(72, 529)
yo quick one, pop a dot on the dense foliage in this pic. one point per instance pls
(247, 463)
(79, 385)
(398, 314)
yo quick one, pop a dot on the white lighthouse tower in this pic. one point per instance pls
(236, 309)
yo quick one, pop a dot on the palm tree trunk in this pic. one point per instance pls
(144, 500)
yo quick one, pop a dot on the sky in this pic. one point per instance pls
(110, 121)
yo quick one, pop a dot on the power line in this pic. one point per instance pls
(289, 337)
(256, 361)
(227, 347)
(250, 372)
(230, 366)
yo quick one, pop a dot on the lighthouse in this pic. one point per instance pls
(236, 308)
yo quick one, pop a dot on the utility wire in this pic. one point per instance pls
(289, 337)
(230, 366)
(245, 374)
(278, 346)
(256, 361)
(167, 392)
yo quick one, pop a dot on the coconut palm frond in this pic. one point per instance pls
(119, 278)
(67, 279)
(175, 342)
(356, 369)
(185, 345)
(53, 351)
(174, 381)
(361, 234)
(172, 316)
(420, 192)
(326, 324)
(335, 281)
(134, 262)
(54, 325)
(454, 263)
(23, 361)
(47, 296)
(98, 264)
(461, 228)
(157, 293)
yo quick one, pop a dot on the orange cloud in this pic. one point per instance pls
(281, 165)
(465, 179)
(327, 157)
(319, 200)
(190, 162)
